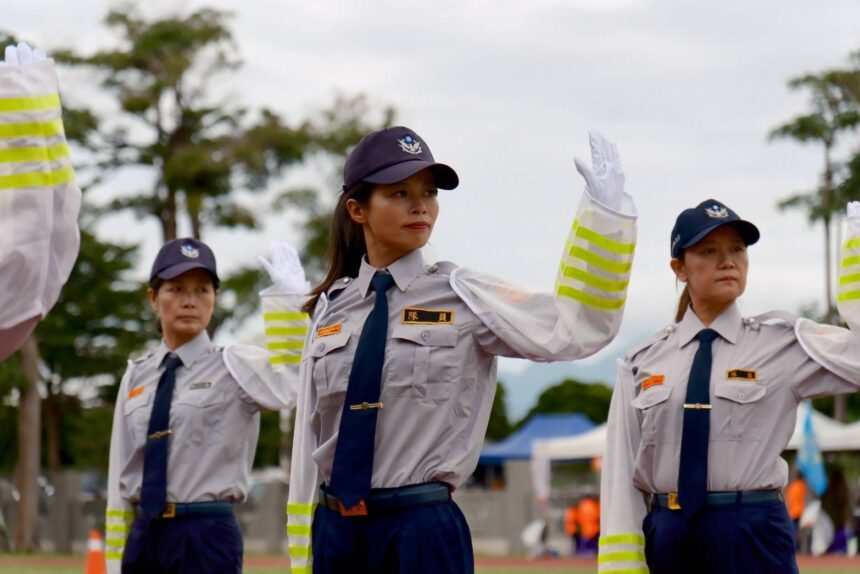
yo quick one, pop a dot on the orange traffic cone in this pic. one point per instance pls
(95, 554)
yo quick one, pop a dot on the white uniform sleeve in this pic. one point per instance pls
(39, 201)
(622, 505)
(583, 314)
(835, 348)
(268, 388)
(119, 514)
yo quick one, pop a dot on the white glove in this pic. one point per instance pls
(606, 182)
(22, 55)
(853, 209)
(285, 269)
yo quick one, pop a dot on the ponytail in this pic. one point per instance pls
(346, 244)
(683, 304)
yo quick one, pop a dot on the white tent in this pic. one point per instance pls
(831, 435)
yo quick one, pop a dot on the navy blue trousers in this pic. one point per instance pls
(185, 545)
(730, 539)
(423, 539)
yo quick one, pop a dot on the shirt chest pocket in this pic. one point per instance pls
(658, 420)
(197, 415)
(422, 362)
(332, 362)
(137, 411)
(738, 410)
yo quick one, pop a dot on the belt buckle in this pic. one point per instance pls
(673, 501)
(360, 509)
(169, 511)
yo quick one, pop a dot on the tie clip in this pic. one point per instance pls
(160, 434)
(365, 406)
(697, 406)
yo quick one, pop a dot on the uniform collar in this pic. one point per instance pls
(727, 325)
(404, 271)
(189, 352)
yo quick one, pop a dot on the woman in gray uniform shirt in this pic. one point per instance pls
(692, 476)
(399, 368)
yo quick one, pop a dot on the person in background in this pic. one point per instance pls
(795, 502)
(588, 524)
(39, 199)
(836, 502)
(570, 529)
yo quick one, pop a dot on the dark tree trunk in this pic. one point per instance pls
(29, 427)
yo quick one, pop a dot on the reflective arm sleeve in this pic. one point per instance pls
(119, 514)
(39, 201)
(583, 313)
(835, 348)
(622, 544)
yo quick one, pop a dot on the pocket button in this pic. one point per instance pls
(425, 336)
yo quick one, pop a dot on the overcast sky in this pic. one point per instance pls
(504, 92)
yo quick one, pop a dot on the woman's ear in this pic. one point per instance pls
(356, 212)
(678, 268)
(152, 295)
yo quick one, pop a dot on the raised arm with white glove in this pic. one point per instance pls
(39, 201)
(286, 323)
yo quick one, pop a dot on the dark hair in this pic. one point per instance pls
(684, 301)
(346, 245)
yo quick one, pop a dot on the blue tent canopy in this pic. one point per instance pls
(519, 444)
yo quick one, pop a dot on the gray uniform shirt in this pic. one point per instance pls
(438, 378)
(215, 426)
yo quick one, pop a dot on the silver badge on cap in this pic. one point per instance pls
(716, 211)
(410, 145)
(190, 251)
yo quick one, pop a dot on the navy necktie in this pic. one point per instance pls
(693, 472)
(153, 492)
(353, 456)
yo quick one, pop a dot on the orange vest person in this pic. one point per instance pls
(795, 496)
(588, 520)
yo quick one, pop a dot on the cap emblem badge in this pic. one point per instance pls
(190, 251)
(717, 211)
(410, 145)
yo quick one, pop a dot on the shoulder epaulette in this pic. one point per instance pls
(338, 286)
(140, 360)
(772, 318)
(660, 335)
(441, 268)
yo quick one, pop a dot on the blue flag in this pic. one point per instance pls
(809, 456)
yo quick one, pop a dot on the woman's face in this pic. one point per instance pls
(398, 218)
(715, 268)
(184, 305)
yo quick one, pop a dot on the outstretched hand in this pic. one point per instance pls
(605, 178)
(22, 55)
(285, 269)
(853, 209)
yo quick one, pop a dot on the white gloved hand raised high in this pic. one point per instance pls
(606, 182)
(22, 55)
(853, 209)
(285, 269)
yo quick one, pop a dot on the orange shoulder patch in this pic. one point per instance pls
(653, 381)
(330, 330)
(136, 391)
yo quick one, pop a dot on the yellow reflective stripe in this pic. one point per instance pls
(850, 278)
(298, 529)
(852, 243)
(118, 543)
(52, 153)
(849, 261)
(590, 300)
(123, 514)
(621, 539)
(848, 296)
(121, 528)
(602, 241)
(639, 570)
(40, 179)
(296, 316)
(113, 555)
(285, 331)
(29, 103)
(301, 569)
(600, 262)
(300, 551)
(626, 556)
(278, 359)
(34, 129)
(301, 509)
(594, 280)
(285, 345)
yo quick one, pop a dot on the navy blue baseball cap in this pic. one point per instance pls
(391, 155)
(695, 223)
(181, 255)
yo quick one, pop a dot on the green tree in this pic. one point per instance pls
(570, 396)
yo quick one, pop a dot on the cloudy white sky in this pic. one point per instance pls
(504, 91)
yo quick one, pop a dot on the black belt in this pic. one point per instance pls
(381, 500)
(177, 509)
(670, 500)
